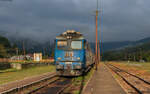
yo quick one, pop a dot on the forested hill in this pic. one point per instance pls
(47, 46)
(5, 47)
(108, 46)
(136, 53)
(5, 42)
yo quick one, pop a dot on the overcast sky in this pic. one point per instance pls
(44, 19)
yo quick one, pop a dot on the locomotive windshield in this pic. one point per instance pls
(64, 44)
(76, 44)
(61, 44)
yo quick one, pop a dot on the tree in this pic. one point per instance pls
(3, 51)
(5, 42)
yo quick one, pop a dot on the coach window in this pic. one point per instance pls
(76, 44)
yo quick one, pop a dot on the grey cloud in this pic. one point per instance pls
(122, 20)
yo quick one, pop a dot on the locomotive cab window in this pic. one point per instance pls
(61, 44)
(76, 44)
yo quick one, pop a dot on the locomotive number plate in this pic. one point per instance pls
(68, 62)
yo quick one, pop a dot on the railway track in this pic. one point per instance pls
(52, 85)
(139, 85)
(31, 86)
(55, 88)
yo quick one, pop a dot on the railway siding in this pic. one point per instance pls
(139, 69)
(25, 82)
(138, 84)
(14, 75)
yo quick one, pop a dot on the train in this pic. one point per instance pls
(73, 55)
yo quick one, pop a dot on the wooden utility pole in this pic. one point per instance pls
(17, 51)
(96, 45)
(99, 55)
(24, 51)
(100, 32)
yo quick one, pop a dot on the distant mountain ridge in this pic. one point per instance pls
(107, 46)
(35, 46)
(140, 52)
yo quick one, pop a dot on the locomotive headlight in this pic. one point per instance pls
(78, 58)
(59, 58)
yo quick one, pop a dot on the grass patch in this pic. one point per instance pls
(8, 70)
(21, 74)
(141, 66)
(80, 81)
(76, 92)
(136, 64)
(116, 76)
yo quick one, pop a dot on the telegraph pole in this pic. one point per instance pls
(24, 52)
(100, 32)
(99, 56)
(17, 51)
(96, 45)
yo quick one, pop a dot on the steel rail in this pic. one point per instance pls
(131, 85)
(61, 90)
(16, 89)
(32, 91)
(57, 80)
(147, 82)
(59, 84)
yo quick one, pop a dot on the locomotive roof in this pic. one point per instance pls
(70, 34)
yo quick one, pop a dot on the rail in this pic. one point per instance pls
(60, 85)
(141, 81)
(19, 88)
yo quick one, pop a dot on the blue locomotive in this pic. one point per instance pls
(73, 55)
